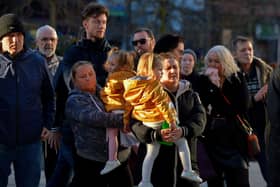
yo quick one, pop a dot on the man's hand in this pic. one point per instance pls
(261, 94)
(45, 134)
(54, 140)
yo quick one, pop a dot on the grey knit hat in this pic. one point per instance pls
(10, 23)
(190, 51)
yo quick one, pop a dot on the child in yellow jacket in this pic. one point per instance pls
(120, 65)
(152, 105)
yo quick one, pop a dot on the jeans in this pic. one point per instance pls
(26, 160)
(64, 167)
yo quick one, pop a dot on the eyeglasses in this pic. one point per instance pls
(45, 39)
(141, 41)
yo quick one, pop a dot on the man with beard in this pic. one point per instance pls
(143, 41)
(46, 43)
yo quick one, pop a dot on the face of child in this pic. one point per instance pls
(112, 64)
(157, 72)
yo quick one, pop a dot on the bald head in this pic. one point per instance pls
(46, 40)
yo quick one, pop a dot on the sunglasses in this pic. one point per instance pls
(141, 41)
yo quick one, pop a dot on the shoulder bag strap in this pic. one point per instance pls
(245, 124)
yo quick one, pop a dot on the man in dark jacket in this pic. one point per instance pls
(27, 104)
(92, 47)
(257, 74)
(46, 43)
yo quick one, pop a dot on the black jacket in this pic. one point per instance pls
(95, 52)
(192, 117)
(224, 138)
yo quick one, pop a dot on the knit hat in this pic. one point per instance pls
(10, 23)
(190, 51)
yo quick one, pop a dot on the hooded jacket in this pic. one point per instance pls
(86, 115)
(192, 117)
(27, 99)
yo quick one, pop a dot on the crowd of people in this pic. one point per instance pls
(97, 114)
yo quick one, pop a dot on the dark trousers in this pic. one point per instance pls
(87, 173)
(231, 177)
(50, 158)
(261, 157)
(63, 172)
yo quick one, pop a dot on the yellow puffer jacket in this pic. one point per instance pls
(149, 101)
(112, 93)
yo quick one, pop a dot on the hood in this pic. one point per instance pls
(184, 85)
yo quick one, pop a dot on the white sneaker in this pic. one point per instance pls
(145, 184)
(192, 176)
(109, 166)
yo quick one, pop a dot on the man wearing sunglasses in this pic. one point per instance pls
(143, 41)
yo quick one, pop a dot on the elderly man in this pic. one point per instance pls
(46, 43)
(27, 104)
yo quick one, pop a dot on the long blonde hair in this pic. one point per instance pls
(226, 59)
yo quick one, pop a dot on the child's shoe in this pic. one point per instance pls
(145, 184)
(192, 176)
(110, 165)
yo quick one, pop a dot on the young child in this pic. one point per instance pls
(152, 105)
(120, 65)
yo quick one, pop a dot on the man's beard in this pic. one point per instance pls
(48, 52)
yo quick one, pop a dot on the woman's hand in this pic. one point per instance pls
(169, 135)
(213, 76)
(176, 134)
(165, 134)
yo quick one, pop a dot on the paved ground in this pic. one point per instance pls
(256, 180)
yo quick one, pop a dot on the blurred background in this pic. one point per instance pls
(203, 23)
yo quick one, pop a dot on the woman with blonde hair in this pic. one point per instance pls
(224, 94)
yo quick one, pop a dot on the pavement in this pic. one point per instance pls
(255, 177)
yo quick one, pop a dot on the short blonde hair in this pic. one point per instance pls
(147, 63)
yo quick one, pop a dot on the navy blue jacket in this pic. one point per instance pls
(27, 99)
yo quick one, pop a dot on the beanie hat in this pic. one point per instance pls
(190, 51)
(10, 23)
